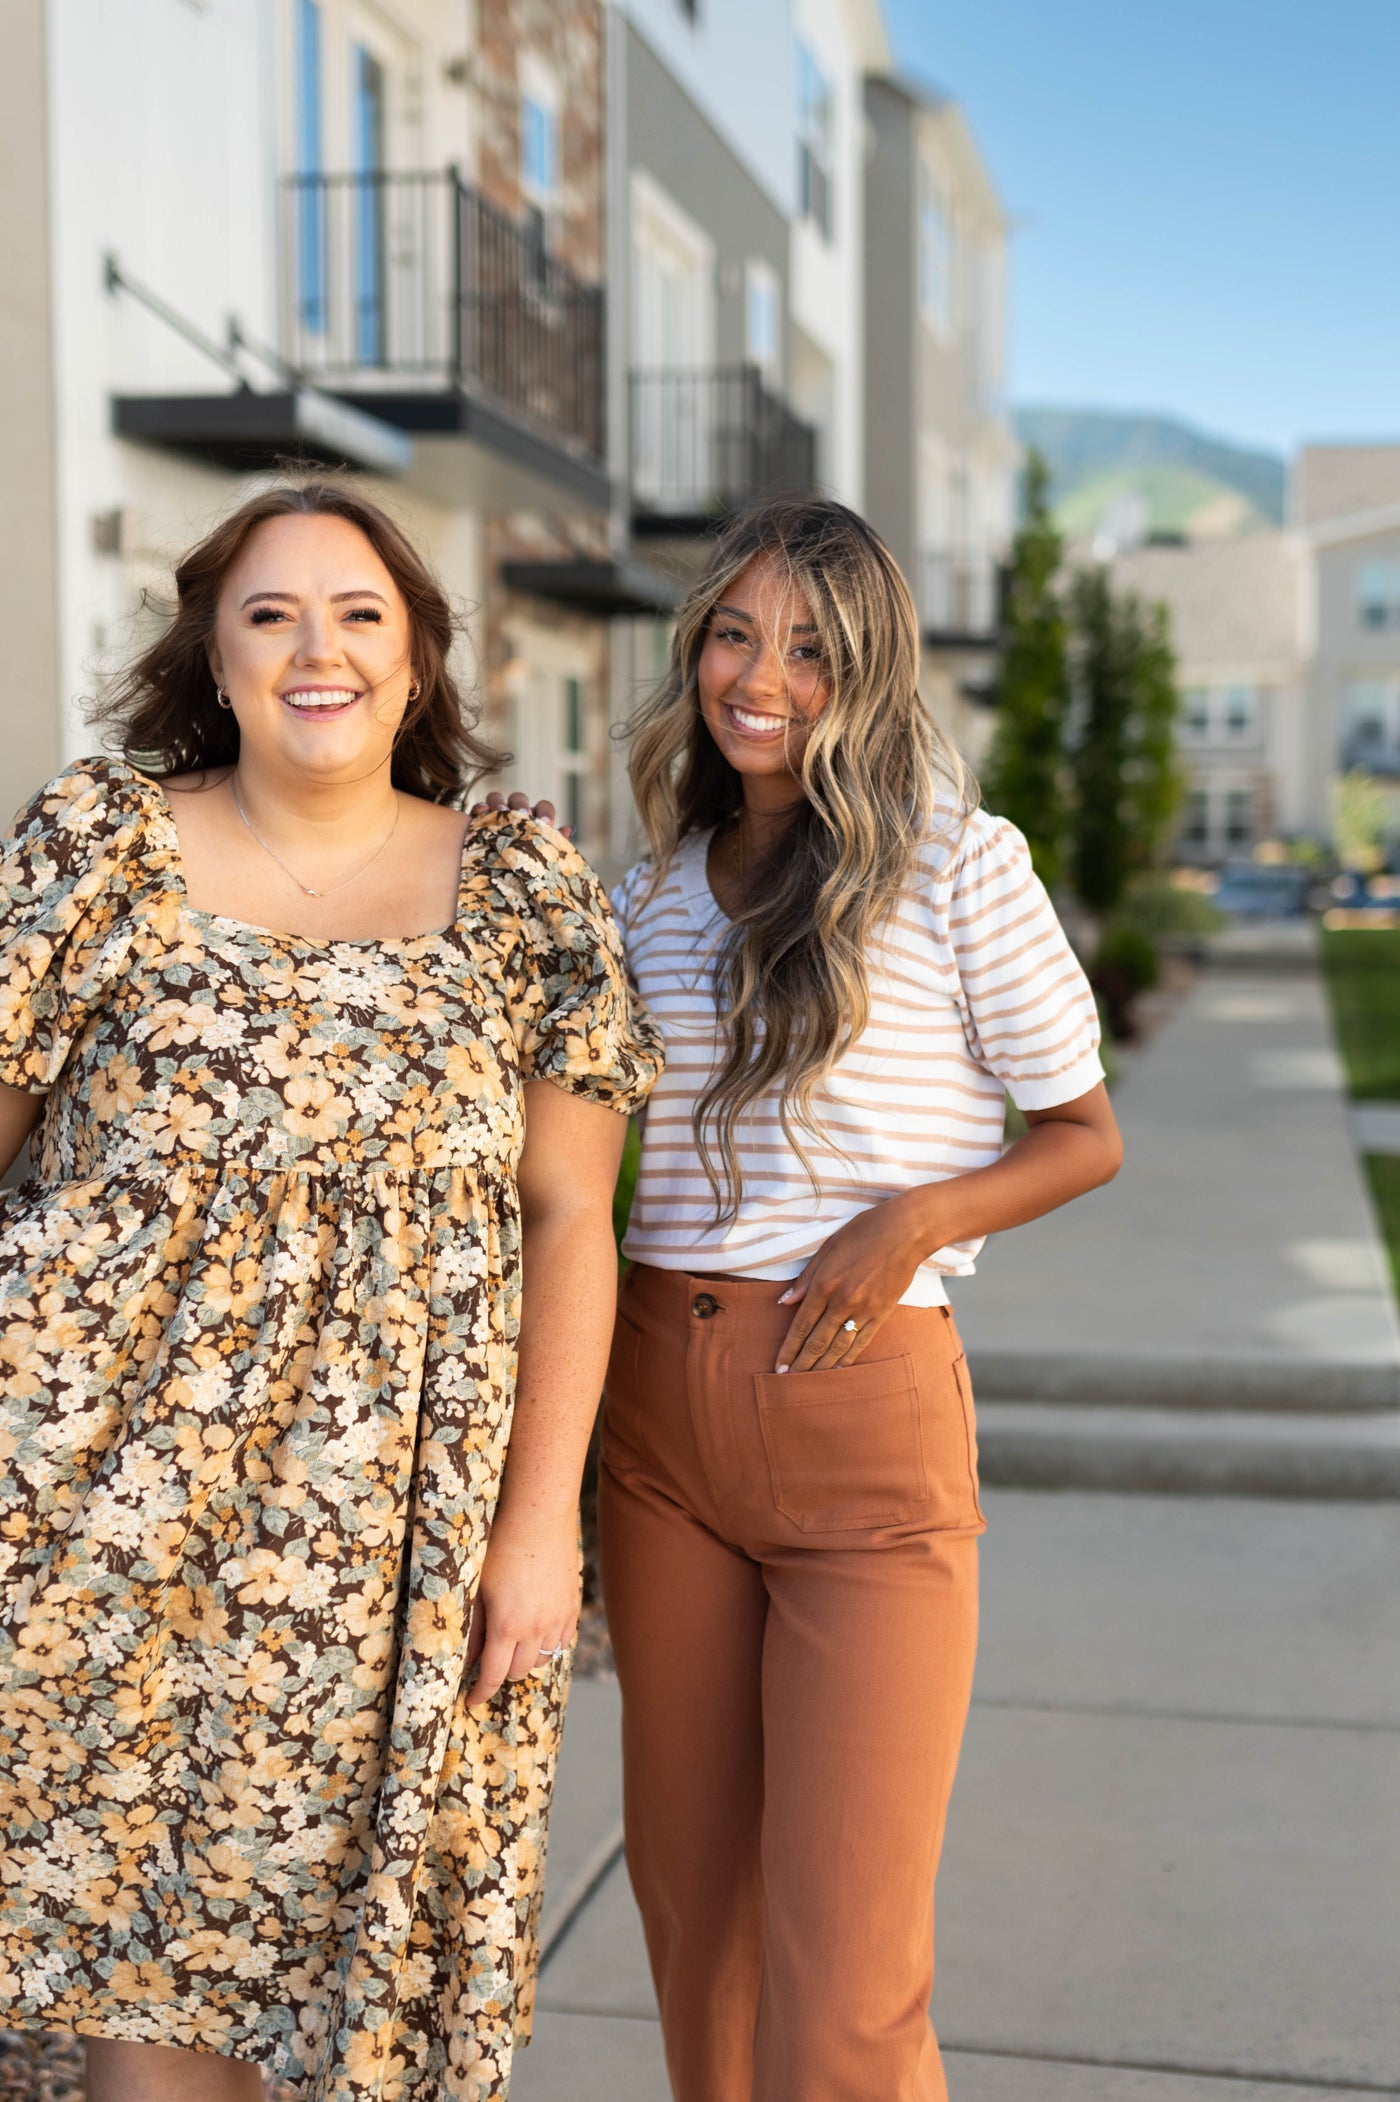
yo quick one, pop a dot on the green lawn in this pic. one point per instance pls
(1363, 971)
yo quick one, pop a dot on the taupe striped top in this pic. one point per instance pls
(974, 991)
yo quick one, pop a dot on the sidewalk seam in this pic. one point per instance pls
(1182, 2072)
(595, 1871)
(1133, 1712)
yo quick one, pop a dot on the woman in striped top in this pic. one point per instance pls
(851, 965)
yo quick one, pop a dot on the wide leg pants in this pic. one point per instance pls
(790, 1570)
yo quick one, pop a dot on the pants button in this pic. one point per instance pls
(702, 1306)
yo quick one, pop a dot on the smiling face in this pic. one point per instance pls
(312, 647)
(762, 677)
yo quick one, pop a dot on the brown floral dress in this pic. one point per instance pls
(258, 1307)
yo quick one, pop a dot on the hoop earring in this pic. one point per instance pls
(414, 690)
(223, 699)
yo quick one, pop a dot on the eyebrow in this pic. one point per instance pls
(289, 598)
(798, 627)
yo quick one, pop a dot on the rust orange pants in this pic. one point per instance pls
(790, 1569)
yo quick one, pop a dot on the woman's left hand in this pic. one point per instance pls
(527, 1603)
(859, 1275)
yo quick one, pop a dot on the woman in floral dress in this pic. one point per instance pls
(284, 1640)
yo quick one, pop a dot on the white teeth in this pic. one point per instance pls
(756, 722)
(330, 697)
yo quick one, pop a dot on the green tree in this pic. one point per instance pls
(1126, 783)
(1025, 777)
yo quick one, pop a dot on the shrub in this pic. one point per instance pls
(1164, 912)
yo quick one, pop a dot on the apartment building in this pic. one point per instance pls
(247, 230)
(565, 281)
(940, 452)
(1240, 629)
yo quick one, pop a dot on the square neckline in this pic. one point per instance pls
(275, 934)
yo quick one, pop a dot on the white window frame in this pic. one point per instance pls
(935, 247)
(1377, 586)
(762, 288)
(539, 91)
(816, 141)
(1242, 731)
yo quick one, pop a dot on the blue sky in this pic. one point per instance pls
(1207, 198)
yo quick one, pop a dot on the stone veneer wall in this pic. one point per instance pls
(569, 37)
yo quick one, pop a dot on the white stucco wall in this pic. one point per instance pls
(736, 61)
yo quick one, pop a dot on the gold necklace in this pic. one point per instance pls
(306, 888)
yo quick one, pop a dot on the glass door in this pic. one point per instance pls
(367, 162)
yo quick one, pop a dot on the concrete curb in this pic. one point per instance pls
(1037, 1445)
(1287, 1385)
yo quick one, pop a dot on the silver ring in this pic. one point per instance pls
(562, 1651)
(850, 1327)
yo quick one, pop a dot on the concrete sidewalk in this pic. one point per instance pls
(1235, 1262)
(1173, 1864)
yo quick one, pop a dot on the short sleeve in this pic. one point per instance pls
(1026, 1004)
(577, 1018)
(63, 930)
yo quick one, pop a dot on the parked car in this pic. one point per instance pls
(1251, 890)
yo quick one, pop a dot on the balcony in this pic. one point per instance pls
(706, 442)
(959, 599)
(410, 297)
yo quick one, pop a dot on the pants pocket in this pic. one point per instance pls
(845, 1448)
(969, 1431)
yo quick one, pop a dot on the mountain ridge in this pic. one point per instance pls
(1096, 455)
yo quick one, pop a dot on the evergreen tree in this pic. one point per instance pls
(1127, 786)
(1153, 779)
(1024, 778)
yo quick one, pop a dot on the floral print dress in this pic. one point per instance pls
(258, 1308)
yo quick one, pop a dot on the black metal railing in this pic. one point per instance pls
(705, 442)
(959, 595)
(413, 278)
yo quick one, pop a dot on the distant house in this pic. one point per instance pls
(1238, 628)
(1288, 649)
(1345, 507)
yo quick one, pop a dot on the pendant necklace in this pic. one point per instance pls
(305, 888)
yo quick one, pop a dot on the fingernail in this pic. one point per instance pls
(784, 1297)
(782, 1368)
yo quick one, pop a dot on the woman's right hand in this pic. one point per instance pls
(543, 810)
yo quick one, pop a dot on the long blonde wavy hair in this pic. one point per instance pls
(791, 982)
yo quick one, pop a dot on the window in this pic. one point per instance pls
(1238, 711)
(539, 149)
(367, 149)
(1195, 711)
(1371, 724)
(761, 318)
(935, 252)
(311, 223)
(1195, 819)
(1378, 594)
(814, 138)
(1239, 817)
(539, 154)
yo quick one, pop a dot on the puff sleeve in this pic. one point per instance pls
(578, 1020)
(1027, 1010)
(64, 934)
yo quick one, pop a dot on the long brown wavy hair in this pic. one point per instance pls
(164, 706)
(792, 973)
